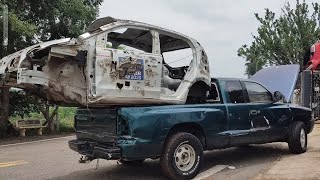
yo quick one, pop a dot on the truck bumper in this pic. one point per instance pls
(95, 150)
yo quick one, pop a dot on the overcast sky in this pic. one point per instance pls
(221, 26)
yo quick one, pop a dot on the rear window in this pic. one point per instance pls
(235, 92)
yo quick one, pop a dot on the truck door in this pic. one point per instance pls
(265, 116)
(128, 64)
(238, 114)
(218, 125)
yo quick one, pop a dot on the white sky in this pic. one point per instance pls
(221, 26)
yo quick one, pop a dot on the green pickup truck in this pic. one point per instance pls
(237, 112)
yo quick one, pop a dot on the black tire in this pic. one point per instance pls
(294, 138)
(172, 147)
(131, 162)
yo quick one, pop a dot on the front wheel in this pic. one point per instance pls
(297, 139)
(182, 157)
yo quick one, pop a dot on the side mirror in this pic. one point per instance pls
(277, 96)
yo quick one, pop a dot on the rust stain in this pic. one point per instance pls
(204, 72)
(147, 83)
(151, 73)
(104, 64)
(114, 75)
(139, 89)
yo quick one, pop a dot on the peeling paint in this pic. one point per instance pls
(85, 71)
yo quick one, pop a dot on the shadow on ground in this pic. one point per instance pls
(239, 157)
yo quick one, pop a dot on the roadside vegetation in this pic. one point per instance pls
(66, 118)
(28, 22)
(284, 37)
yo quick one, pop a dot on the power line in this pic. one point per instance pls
(184, 57)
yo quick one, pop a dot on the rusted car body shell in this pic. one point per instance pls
(85, 71)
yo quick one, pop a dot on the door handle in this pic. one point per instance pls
(253, 112)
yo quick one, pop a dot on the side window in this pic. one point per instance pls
(130, 39)
(177, 56)
(235, 92)
(213, 96)
(257, 93)
(173, 58)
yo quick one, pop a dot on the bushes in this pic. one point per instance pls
(66, 118)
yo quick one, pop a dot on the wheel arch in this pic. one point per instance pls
(307, 123)
(189, 127)
(198, 90)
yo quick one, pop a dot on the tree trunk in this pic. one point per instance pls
(50, 119)
(57, 120)
(4, 118)
(47, 116)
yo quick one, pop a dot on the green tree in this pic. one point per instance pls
(34, 21)
(23, 104)
(282, 39)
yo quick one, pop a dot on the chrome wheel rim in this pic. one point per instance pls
(184, 157)
(303, 138)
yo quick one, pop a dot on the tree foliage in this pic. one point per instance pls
(22, 104)
(34, 21)
(283, 39)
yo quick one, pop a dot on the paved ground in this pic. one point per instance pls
(302, 166)
(28, 138)
(54, 160)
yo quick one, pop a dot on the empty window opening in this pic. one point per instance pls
(130, 39)
(177, 56)
(213, 96)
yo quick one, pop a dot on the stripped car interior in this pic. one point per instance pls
(116, 62)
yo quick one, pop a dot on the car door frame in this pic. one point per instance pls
(155, 91)
(237, 135)
(272, 114)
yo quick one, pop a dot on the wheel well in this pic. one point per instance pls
(192, 128)
(305, 121)
(197, 92)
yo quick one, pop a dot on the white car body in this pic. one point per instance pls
(89, 71)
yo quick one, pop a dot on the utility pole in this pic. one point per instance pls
(5, 28)
(5, 94)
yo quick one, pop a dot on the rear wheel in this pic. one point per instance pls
(298, 139)
(182, 157)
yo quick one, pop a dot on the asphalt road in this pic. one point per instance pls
(54, 160)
